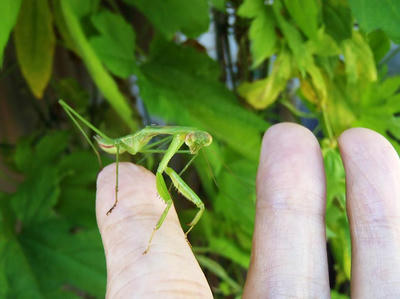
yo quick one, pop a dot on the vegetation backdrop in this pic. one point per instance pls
(231, 68)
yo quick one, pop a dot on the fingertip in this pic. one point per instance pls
(361, 140)
(286, 129)
(288, 137)
(290, 211)
(372, 178)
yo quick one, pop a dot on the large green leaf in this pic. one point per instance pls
(115, 44)
(379, 44)
(262, 29)
(180, 85)
(8, 15)
(35, 42)
(337, 19)
(306, 15)
(378, 14)
(171, 16)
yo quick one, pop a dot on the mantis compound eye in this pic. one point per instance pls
(197, 139)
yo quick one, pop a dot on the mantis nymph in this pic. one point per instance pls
(138, 143)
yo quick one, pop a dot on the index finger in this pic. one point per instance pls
(169, 269)
(289, 258)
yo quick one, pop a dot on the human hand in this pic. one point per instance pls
(289, 244)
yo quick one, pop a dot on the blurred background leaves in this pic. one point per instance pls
(229, 67)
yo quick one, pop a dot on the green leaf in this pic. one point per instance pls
(75, 259)
(115, 44)
(84, 8)
(360, 63)
(218, 270)
(29, 157)
(77, 198)
(379, 109)
(8, 15)
(71, 89)
(294, 39)
(306, 15)
(337, 295)
(79, 168)
(48, 149)
(35, 43)
(337, 19)
(229, 250)
(169, 17)
(18, 274)
(379, 44)
(179, 85)
(101, 77)
(323, 45)
(336, 220)
(236, 198)
(36, 196)
(218, 4)
(262, 93)
(335, 176)
(262, 29)
(48, 261)
(378, 14)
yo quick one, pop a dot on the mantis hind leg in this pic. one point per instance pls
(116, 180)
(166, 197)
(188, 193)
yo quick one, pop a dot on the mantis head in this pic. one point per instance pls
(197, 139)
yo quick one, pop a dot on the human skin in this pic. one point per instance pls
(289, 244)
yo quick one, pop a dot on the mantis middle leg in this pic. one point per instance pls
(116, 180)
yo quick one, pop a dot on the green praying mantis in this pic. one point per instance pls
(138, 143)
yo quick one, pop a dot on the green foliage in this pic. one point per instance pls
(188, 17)
(35, 42)
(41, 238)
(113, 54)
(99, 74)
(262, 31)
(172, 85)
(8, 15)
(375, 14)
(115, 44)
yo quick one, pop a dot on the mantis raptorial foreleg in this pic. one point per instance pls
(161, 186)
